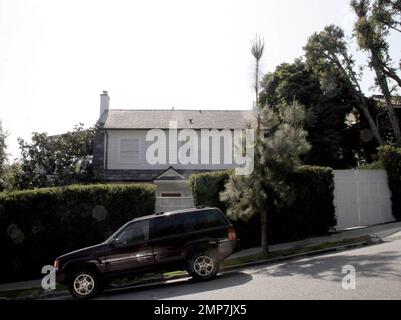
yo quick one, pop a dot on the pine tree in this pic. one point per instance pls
(280, 142)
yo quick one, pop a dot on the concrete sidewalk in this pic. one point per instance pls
(391, 230)
(379, 231)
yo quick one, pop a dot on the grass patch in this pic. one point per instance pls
(29, 293)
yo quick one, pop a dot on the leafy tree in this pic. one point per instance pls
(388, 13)
(371, 34)
(279, 144)
(11, 175)
(57, 160)
(3, 156)
(289, 81)
(333, 141)
(327, 54)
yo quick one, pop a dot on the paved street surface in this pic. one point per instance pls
(378, 277)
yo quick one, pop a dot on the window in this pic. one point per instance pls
(129, 150)
(134, 232)
(203, 220)
(164, 227)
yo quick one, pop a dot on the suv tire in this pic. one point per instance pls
(84, 285)
(203, 266)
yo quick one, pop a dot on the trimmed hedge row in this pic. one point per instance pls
(390, 157)
(206, 188)
(36, 226)
(311, 214)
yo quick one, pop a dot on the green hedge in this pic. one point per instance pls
(311, 214)
(206, 188)
(390, 157)
(38, 225)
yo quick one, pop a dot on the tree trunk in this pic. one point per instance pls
(372, 124)
(257, 84)
(263, 225)
(391, 74)
(359, 96)
(381, 79)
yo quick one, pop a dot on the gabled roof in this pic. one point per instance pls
(186, 119)
(170, 175)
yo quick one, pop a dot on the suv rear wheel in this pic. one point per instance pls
(84, 285)
(203, 266)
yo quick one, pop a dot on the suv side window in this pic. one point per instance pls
(164, 227)
(206, 219)
(135, 232)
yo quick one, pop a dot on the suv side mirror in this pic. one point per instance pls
(117, 242)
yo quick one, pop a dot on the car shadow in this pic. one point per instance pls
(177, 288)
(329, 267)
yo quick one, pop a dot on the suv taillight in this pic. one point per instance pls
(56, 264)
(231, 234)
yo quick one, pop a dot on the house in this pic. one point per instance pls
(381, 101)
(125, 151)
(382, 116)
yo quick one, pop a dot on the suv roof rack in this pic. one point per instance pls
(202, 207)
(159, 213)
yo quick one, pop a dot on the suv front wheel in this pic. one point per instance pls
(203, 266)
(84, 285)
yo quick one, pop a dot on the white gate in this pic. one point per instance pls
(361, 198)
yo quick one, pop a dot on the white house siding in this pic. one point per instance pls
(115, 163)
(361, 198)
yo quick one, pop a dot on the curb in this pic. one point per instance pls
(158, 281)
(301, 255)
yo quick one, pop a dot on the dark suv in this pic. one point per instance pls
(196, 240)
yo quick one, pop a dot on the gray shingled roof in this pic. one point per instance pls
(186, 119)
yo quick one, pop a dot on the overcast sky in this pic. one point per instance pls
(57, 56)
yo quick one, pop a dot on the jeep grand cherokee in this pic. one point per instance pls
(195, 240)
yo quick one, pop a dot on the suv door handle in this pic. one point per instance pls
(214, 243)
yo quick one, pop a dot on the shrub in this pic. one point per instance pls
(206, 188)
(36, 226)
(312, 212)
(377, 165)
(391, 159)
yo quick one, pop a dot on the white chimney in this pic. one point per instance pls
(104, 102)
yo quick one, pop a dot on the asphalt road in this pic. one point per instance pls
(378, 276)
